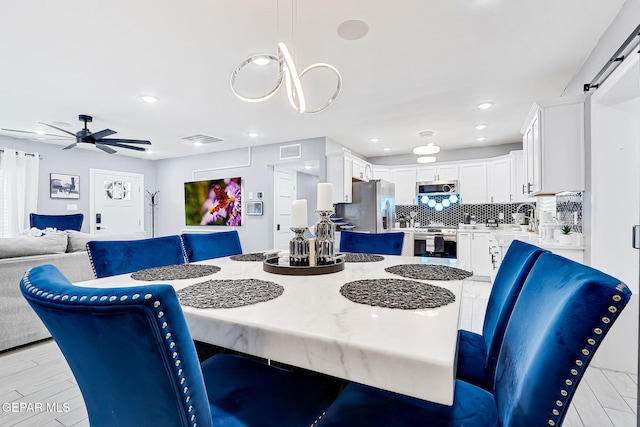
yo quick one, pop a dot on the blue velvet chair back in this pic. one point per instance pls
(513, 271)
(560, 318)
(201, 246)
(60, 222)
(129, 349)
(372, 243)
(113, 257)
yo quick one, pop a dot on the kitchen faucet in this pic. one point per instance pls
(532, 213)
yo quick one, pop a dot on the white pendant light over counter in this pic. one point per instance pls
(423, 150)
(426, 159)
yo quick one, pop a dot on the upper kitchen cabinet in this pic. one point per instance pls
(553, 147)
(384, 173)
(405, 181)
(473, 182)
(361, 170)
(437, 173)
(499, 180)
(340, 173)
(518, 187)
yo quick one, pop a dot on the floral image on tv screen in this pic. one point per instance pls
(213, 202)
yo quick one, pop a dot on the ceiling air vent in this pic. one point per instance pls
(290, 151)
(202, 138)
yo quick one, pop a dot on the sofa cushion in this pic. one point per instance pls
(78, 241)
(49, 243)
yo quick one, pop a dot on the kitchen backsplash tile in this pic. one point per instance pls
(569, 210)
(453, 214)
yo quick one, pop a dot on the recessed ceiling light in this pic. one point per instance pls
(149, 99)
(197, 144)
(426, 159)
(481, 138)
(253, 134)
(149, 151)
(485, 105)
(387, 149)
(353, 29)
(308, 167)
(40, 131)
(374, 140)
(481, 127)
(261, 60)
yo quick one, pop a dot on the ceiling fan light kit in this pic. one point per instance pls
(85, 136)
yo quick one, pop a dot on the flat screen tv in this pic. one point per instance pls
(213, 202)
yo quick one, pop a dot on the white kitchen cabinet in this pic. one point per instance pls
(437, 173)
(518, 188)
(405, 181)
(553, 146)
(383, 173)
(499, 180)
(339, 173)
(473, 252)
(473, 183)
(361, 170)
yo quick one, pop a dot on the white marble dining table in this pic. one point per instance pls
(312, 326)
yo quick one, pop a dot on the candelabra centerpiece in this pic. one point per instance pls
(325, 239)
(299, 248)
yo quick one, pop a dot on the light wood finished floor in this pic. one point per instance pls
(38, 374)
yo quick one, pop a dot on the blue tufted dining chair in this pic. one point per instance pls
(134, 360)
(112, 257)
(371, 243)
(201, 246)
(60, 222)
(560, 318)
(478, 354)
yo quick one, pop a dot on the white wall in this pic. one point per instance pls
(256, 171)
(78, 161)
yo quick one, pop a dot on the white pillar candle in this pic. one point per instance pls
(299, 213)
(325, 194)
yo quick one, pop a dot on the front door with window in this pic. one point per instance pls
(117, 202)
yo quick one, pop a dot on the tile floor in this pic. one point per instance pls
(39, 374)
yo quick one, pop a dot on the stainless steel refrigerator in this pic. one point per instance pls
(373, 208)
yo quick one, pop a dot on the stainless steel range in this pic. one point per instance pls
(435, 240)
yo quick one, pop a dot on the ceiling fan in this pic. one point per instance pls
(98, 139)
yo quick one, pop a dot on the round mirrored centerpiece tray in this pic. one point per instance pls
(272, 265)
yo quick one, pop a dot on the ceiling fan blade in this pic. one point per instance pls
(34, 133)
(115, 144)
(125, 141)
(70, 146)
(105, 148)
(60, 129)
(103, 133)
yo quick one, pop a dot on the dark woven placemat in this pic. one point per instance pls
(356, 257)
(397, 293)
(429, 272)
(256, 256)
(175, 272)
(229, 293)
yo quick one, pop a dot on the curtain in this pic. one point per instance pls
(18, 190)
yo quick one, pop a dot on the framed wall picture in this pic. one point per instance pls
(213, 202)
(254, 208)
(64, 186)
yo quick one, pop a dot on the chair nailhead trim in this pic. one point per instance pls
(612, 309)
(148, 296)
(167, 336)
(568, 382)
(66, 297)
(156, 304)
(616, 298)
(93, 298)
(558, 403)
(135, 296)
(597, 331)
(585, 351)
(606, 320)
(190, 408)
(555, 412)
(160, 314)
(591, 341)
(188, 399)
(564, 393)
(180, 371)
(178, 362)
(552, 423)
(123, 298)
(579, 362)
(182, 380)
(172, 345)
(185, 390)
(175, 354)
(164, 325)
(574, 372)
(103, 298)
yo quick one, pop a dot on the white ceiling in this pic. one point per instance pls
(424, 65)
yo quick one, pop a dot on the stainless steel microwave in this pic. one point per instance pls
(436, 187)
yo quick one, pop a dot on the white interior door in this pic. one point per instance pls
(117, 202)
(284, 192)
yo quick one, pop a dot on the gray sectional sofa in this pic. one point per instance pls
(19, 325)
